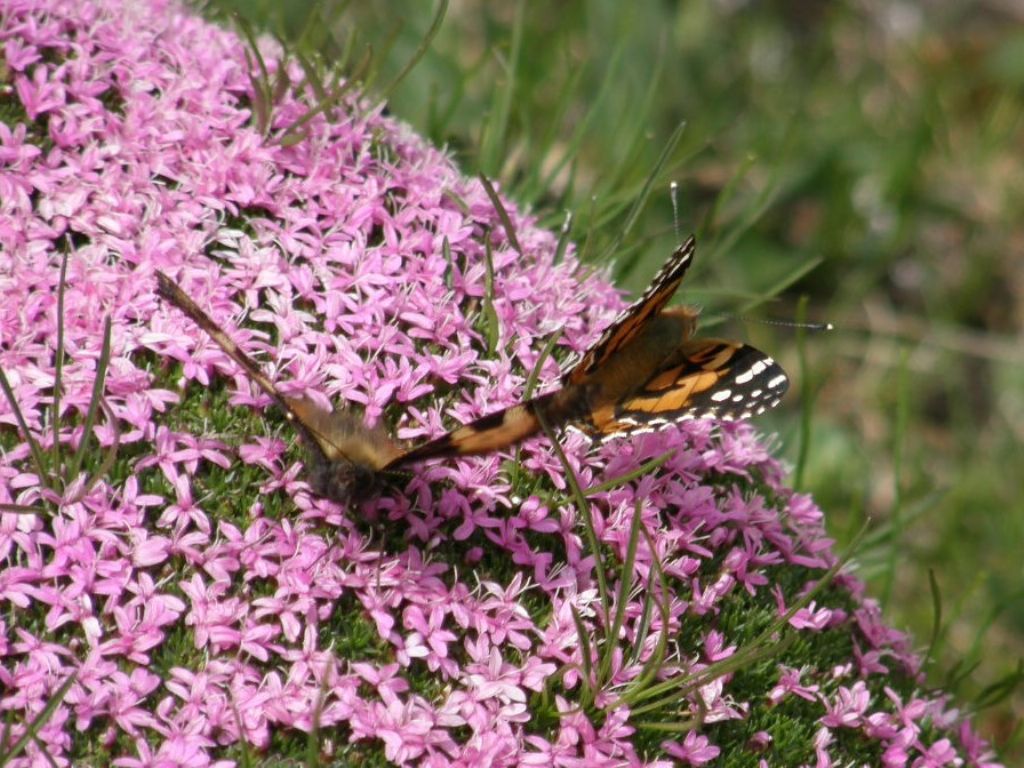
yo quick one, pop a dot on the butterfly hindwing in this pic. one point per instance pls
(633, 319)
(705, 379)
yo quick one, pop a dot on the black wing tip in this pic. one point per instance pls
(677, 263)
(756, 384)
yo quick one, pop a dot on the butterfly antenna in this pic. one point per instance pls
(786, 323)
(170, 291)
(673, 192)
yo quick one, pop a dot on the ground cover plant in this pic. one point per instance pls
(172, 591)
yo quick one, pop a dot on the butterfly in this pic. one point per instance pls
(645, 371)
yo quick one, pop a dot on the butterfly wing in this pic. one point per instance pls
(704, 379)
(346, 453)
(492, 432)
(633, 319)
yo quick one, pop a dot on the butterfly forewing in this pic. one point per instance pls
(676, 378)
(633, 319)
(346, 453)
(705, 379)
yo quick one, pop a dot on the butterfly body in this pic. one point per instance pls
(347, 455)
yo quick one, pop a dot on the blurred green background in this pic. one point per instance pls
(865, 155)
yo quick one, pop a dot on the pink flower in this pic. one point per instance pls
(789, 683)
(428, 639)
(694, 750)
(811, 617)
(185, 510)
(849, 706)
(38, 94)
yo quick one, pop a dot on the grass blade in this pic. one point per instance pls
(583, 507)
(421, 49)
(39, 720)
(499, 207)
(622, 598)
(98, 385)
(643, 469)
(492, 143)
(58, 372)
(38, 457)
(804, 445)
(586, 665)
(492, 325)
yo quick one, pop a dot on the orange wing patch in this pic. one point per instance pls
(675, 398)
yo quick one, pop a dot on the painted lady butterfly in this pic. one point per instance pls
(645, 371)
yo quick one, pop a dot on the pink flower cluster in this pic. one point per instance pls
(192, 618)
